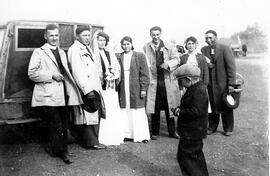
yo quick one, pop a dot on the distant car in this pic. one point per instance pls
(239, 50)
(18, 39)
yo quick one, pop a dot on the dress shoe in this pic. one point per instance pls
(209, 132)
(98, 147)
(174, 135)
(154, 137)
(145, 141)
(128, 140)
(66, 159)
(227, 133)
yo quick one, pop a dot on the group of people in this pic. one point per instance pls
(107, 97)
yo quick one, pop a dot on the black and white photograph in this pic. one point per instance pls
(134, 88)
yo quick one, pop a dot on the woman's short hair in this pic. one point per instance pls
(127, 38)
(106, 36)
(191, 38)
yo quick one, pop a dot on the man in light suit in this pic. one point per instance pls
(84, 69)
(222, 74)
(163, 92)
(54, 90)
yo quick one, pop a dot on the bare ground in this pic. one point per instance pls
(245, 153)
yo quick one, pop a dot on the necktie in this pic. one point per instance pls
(90, 53)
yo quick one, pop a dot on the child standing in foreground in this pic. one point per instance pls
(192, 122)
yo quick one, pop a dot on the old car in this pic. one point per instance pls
(18, 39)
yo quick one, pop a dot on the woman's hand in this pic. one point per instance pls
(143, 94)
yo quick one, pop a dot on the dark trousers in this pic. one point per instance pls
(161, 103)
(86, 135)
(227, 120)
(191, 158)
(56, 120)
(155, 122)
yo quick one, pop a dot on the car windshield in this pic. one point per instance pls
(2, 33)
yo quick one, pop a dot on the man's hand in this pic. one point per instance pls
(143, 94)
(58, 77)
(90, 95)
(230, 89)
(176, 111)
(165, 66)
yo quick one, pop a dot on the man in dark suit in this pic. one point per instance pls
(222, 72)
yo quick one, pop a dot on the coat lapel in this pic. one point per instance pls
(49, 53)
(184, 59)
(63, 59)
(208, 51)
(217, 51)
(151, 45)
(133, 60)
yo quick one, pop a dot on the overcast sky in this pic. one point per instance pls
(178, 19)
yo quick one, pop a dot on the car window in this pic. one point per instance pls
(29, 38)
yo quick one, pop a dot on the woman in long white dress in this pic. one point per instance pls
(110, 129)
(132, 92)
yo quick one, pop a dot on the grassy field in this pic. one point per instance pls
(245, 153)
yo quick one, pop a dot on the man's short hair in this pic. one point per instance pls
(212, 32)
(155, 28)
(50, 27)
(81, 28)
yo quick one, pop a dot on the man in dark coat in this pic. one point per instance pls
(192, 121)
(222, 72)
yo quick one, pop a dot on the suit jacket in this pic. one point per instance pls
(202, 65)
(48, 92)
(172, 89)
(221, 75)
(138, 80)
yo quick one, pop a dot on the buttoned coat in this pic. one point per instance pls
(86, 75)
(202, 64)
(47, 91)
(222, 74)
(192, 121)
(172, 89)
(138, 80)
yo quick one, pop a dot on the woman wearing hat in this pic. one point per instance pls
(194, 58)
(109, 74)
(132, 91)
(84, 69)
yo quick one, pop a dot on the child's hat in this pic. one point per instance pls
(187, 70)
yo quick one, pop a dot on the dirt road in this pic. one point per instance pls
(245, 153)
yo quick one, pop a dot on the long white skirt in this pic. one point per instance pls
(136, 122)
(111, 129)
